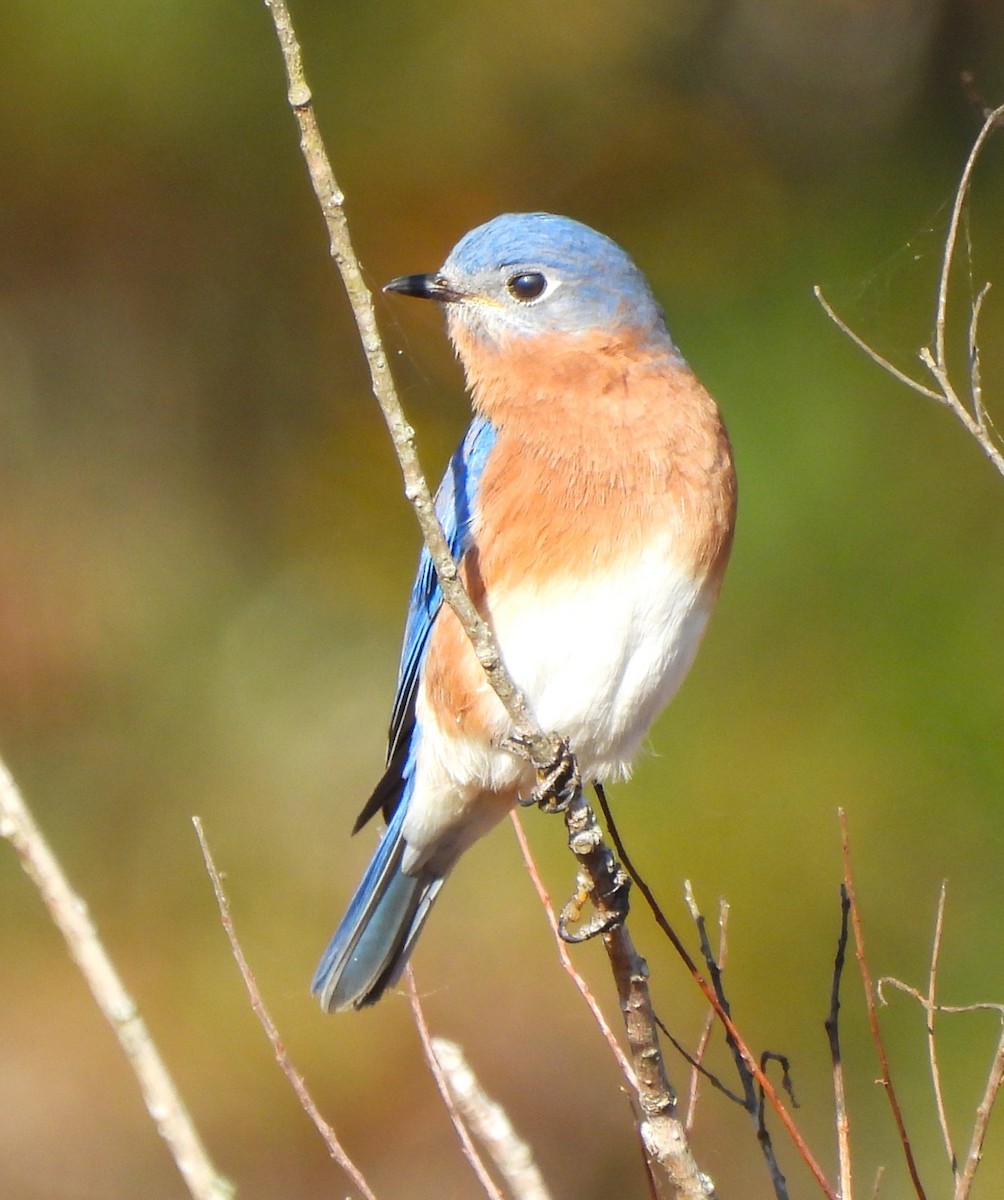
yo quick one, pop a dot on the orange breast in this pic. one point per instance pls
(602, 447)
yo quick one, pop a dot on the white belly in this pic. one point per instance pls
(598, 660)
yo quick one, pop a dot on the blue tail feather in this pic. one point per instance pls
(372, 944)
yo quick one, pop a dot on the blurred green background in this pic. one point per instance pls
(206, 558)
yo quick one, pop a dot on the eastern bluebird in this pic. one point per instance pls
(591, 506)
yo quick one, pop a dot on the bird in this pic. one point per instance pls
(591, 508)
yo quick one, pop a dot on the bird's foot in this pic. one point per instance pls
(558, 783)
(611, 911)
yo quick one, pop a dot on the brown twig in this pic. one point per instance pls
(983, 1111)
(603, 881)
(439, 1075)
(934, 356)
(866, 979)
(328, 1134)
(964, 1177)
(709, 1023)
(69, 914)
(735, 1040)
(565, 958)
(833, 1036)
(541, 749)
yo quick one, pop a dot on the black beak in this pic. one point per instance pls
(425, 287)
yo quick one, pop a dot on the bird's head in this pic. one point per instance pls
(526, 274)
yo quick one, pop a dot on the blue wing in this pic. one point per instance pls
(384, 917)
(456, 500)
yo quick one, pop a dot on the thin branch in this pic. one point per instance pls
(975, 375)
(328, 1134)
(697, 1071)
(931, 1007)
(934, 357)
(734, 1038)
(542, 750)
(983, 1111)
(69, 914)
(490, 1124)
(754, 1093)
(439, 1075)
(565, 958)
(872, 353)
(964, 1177)
(866, 980)
(992, 120)
(833, 1035)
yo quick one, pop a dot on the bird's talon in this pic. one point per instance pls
(558, 784)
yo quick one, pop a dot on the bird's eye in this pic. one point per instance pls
(527, 286)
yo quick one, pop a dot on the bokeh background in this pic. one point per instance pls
(205, 558)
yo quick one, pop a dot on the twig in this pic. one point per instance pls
(965, 1176)
(541, 749)
(872, 353)
(983, 1111)
(328, 1134)
(490, 1124)
(565, 958)
(735, 1040)
(931, 1007)
(833, 1035)
(934, 356)
(991, 121)
(753, 1094)
(69, 914)
(866, 979)
(709, 1022)
(459, 1124)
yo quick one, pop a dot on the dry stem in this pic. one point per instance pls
(264, 1017)
(964, 1176)
(70, 915)
(490, 1124)
(565, 958)
(439, 1075)
(833, 1035)
(934, 357)
(866, 980)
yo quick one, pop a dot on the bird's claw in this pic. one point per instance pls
(608, 914)
(557, 784)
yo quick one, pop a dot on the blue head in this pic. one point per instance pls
(523, 274)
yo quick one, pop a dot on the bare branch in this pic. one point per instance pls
(964, 1177)
(261, 1012)
(565, 958)
(934, 357)
(598, 878)
(833, 1034)
(709, 1023)
(490, 1124)
(542, 750)
(439, 1075)
(69, 914)
(983, 1111)
(866, 979)
(873, 354)
(735, 1040)
(991, 122)
(931, 1007)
